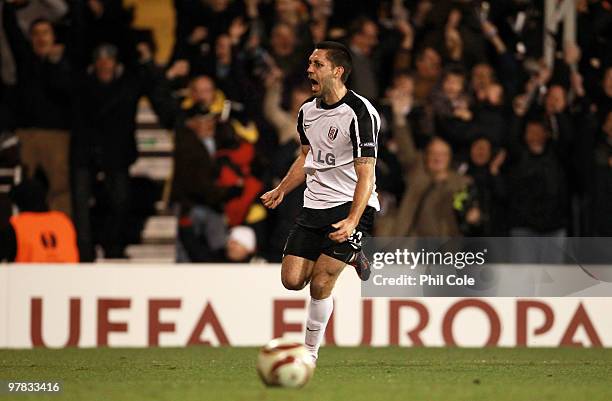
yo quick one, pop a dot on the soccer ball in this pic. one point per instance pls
(284, 363)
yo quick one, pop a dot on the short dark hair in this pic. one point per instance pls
(339, 55)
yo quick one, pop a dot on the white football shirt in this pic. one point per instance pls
(337, 134)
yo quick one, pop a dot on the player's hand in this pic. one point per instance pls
(345, 229)
(273, 198)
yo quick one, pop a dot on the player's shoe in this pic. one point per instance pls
(362, 265)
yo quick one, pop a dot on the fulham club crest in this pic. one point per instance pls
(333, 133)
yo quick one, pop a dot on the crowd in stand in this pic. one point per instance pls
(487, 128)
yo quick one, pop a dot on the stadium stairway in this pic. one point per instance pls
(155, 147)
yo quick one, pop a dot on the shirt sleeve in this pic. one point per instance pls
(300, 129)
(364, 133)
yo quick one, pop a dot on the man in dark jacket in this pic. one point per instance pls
(41, 104)
(104, 141)
(538, 189)
(595, 165)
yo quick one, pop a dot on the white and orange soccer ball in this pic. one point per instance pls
(285, 363)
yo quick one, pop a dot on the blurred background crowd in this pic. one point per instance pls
(496, 115)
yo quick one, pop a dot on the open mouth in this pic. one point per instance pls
(314, 84)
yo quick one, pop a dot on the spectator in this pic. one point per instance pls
(483, 76)
(97, 22)
(426, 208)
(604, 97)
(213, 183)
(286, 51)
(490, 115)
(459, 40)
(230, 75)
(486, 217)
(505, 63)
(41, 104)
(241, 245)
(36, 234)
(28, 12)
(104, 141)
(284, 122)
(452, 111)
(199, 23)
(241, 44)
(362, 42)
(389, 174)
(595, 165)
(202, 228)
(537, 181)
(428, 70)
(555, 107)
(290, 12)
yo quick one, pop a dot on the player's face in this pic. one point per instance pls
(321, 72)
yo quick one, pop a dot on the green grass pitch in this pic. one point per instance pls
(407, 374)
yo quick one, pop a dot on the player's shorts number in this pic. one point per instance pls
(355, 240)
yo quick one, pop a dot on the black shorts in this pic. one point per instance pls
(309, 237)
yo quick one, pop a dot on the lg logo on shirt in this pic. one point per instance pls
(329, 159)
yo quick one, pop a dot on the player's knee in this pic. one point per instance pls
(321, 286)
(294, 283)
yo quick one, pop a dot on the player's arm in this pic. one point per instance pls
(293, 179)
(364, 167)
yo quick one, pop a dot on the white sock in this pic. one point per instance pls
(319, 312)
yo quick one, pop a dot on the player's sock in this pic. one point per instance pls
(319, 312)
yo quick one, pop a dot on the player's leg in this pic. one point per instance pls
(324, 275)
(301, 251)
(296, 272)
(354, 254)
